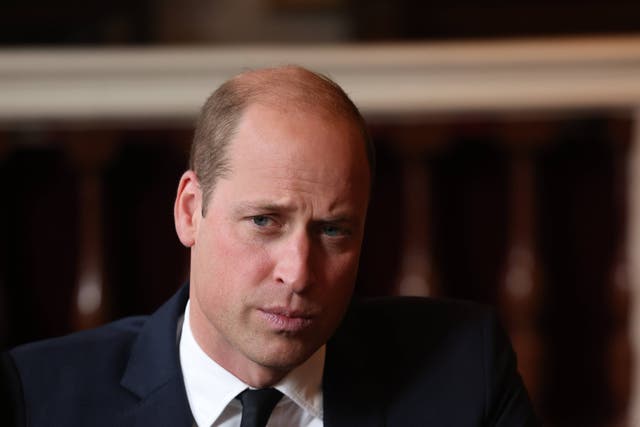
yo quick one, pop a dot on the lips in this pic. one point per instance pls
(285, 320)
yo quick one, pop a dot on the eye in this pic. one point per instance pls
(261, 220)
(332, 230)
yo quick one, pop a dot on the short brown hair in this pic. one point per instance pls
(222, 111)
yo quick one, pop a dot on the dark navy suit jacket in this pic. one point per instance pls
(393, 362)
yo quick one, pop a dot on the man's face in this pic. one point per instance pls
(274, 260)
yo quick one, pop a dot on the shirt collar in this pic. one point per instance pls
(303, 385)
(211, 388)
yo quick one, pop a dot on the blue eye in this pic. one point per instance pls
(261, 220)
(332, 230)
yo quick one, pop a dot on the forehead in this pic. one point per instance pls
(297, 138)
(298, 159)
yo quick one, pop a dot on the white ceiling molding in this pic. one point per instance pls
(383, 79)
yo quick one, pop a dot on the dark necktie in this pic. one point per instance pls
(257, 406)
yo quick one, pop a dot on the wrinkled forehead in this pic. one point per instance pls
(285, 136)
(299, 110)
(298, 158)
(333, 131)
(298, 93)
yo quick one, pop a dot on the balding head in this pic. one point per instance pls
(286, 88)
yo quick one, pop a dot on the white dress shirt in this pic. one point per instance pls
(211, 389)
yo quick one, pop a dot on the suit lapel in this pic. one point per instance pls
(346, 407)
(167, 406)
(153, 371)
(352, 392)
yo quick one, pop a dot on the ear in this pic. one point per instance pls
(187, 208)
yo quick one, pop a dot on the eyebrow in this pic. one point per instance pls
(269, 206)
(262, 205)
(336, 219)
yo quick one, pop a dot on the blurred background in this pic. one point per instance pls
(509, 165)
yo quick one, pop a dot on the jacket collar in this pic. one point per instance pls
(348, 404)
(153, 374)
(153, 371)
(352, 391)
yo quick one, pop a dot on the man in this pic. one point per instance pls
(273, 210)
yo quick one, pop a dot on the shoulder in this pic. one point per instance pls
(425, 357)
(82, 367)
(80, 348)
(408, 317)
(444, 338)
(100, 377)
(420, 307)
(403, 333)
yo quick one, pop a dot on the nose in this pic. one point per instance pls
(293, 264)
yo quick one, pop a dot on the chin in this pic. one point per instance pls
(285, 358)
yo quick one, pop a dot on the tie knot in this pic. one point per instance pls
(257, 406)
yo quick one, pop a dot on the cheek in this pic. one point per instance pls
(340, 271)
(231, 262)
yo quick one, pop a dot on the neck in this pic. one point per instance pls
(248, 371)
(259, 378)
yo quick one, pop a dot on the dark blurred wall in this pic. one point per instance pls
(73, 22)
(576, 203)
(454, 19)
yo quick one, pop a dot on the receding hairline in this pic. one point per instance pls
(293, 85)
(287, 88)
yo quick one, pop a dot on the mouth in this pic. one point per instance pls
(284, 320)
